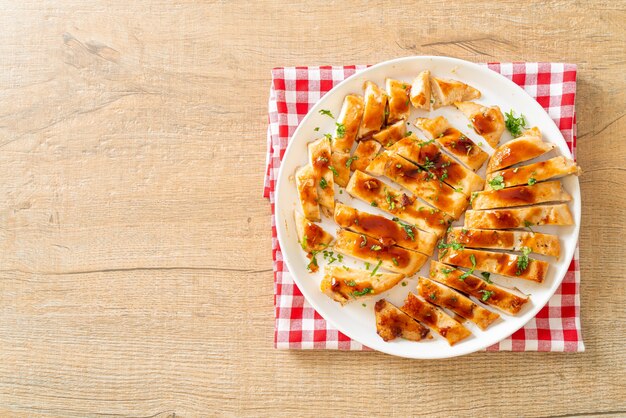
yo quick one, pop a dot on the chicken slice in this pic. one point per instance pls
(399, 103)
(488, 122)
(391, 323)
(311, 236)
(526, 147)
(348, 123)
(345, 285)
(549, 191)
(519, 217)
(420, 91)
(374, 112)
(532, 173)
(319, 159)
(306, 183)
(365, 152)
(445, 92)
(391, 134)
(506, 240)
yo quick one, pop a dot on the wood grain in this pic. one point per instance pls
(135, 265)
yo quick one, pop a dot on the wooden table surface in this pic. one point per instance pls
(135, 263)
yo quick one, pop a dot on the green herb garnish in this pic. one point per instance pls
(341, 130)
(323, 183)
(523, 261)
(349, 162)
(532, 181)
(528, 225)
(327, 113)
(486, 276)
(486, 295)
(395, 261)
(513, 124)
(433, 296)
(497, 182)
(467, 273)
(363, 292)
(376, 248)
(407, 228)
(335, 173)
(376, 268)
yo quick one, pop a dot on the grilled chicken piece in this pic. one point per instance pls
(306, 183)
(420, 182)
(488, 293)
(526, 147)
(428, 155)
(350, 119)
(385, 230)
(339, 161)
(506, 240)
(374, 113)
(453, 141)
(348, 285)
(488, 122)
(311, 236)
(532, 173)
(399, 103)
(550, 191)
(461, 305)
(519, 217)
(420, 91)
(391, 134)
(510, 265)
(435, 318)
(391, 323)
(319, 159)
(445, 92)
(365, 152)
(399, 204)
(392, 258)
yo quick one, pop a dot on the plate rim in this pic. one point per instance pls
(567, 259)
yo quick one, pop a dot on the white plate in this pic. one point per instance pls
(357, 321)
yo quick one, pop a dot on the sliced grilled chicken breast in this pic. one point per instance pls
(429, 156)
(488, 122)
(519, 217)
(532, 173)
(391, 323)
(506, 240)
(391, 134)
(374, 113)
(348, 123)
(489, 293)
(461, 305)
(550, 191)
(420, 182)
(526, 147)
(510, 265)
(339, 161)
(365, 152)
(420, 91)
(378, 194)
(319, 159)
(392, 258)
(445, 92)
(435, 318)
(306, 183)
(453, 141)
(399, 103)
(311, 236)
(385, 230)
(347, 285)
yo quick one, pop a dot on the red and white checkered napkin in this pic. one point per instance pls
(295, 90)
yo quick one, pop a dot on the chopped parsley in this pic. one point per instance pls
(350, 160)
(455, 245)
(424, 143)
(351, 283)
(403, 284)
(407, 228)
(532, 181)
(326, 113)
(513, 124)
(486, 295)
(341, 130)
(323, 183)
(390, 200)
(374, 203)
(367, 266)
(528, 224)
(329, 256)
(465, 275)
(335, 173)
(376, 268)
(433, 296)
(409, 133)
(317, 129)
(486, 276)
(446, 271)
(363, 292)
(329, 137)
(523, 261)
(428, 165)
(497, 182)
(395, 261)
(458, 189)
(376, 248)
(303, 244)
